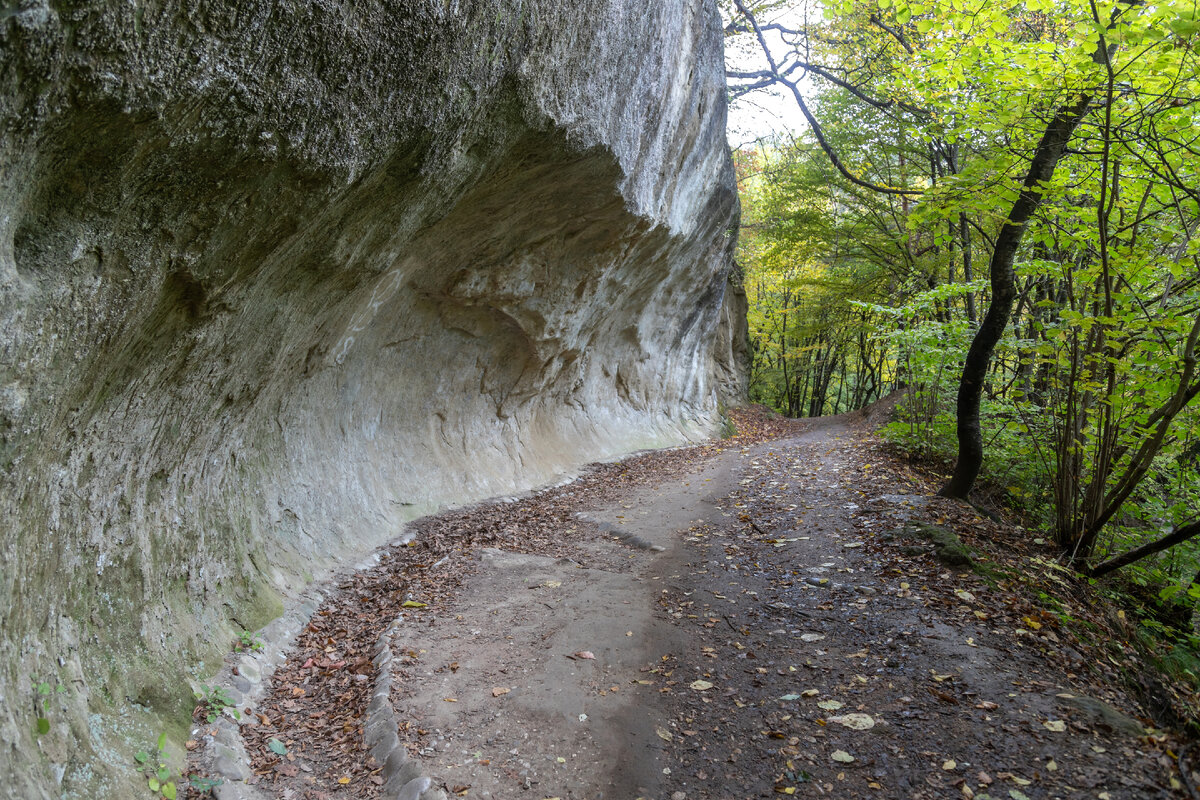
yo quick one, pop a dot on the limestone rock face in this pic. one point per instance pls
(276, 277)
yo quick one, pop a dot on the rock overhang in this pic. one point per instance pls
(275, 278)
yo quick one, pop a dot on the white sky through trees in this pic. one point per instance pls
(765, 112)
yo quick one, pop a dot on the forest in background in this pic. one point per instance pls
(994, 209)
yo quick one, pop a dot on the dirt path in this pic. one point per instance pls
(740, 624)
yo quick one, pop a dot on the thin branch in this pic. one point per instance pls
(1150, 548)
(818, 133)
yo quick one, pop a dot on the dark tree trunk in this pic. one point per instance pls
(1170, 540)
(1004, 291)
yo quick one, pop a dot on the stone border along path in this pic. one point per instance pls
(246, 676)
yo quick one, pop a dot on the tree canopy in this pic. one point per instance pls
(995, 208)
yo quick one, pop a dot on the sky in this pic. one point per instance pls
(767, 111)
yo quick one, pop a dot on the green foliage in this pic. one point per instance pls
(1088, 413)
(154, 767)
(248, 641)
(214, 700)
(160, 779)
(44, 692)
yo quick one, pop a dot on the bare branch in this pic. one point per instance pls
(818, 133)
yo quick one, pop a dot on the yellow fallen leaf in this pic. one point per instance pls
(841, 756)
(829, 705)
(450, 699)
(1056, 725)
(664, 734)
(344, 779)
(413, 604)
(701, 686)
(499, 690)
(810, 693)
(964, 595)
(855, 721)
(785, 790)
(1031, 623)
(949, 764)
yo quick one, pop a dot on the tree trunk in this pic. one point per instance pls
(1170, 540)
(1004, 291)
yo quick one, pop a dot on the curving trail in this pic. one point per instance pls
(732, 621)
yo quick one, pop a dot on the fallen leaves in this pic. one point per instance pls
(1055, 725)
(499, 691)
(855, 721)
(842, 757)
(701, 685)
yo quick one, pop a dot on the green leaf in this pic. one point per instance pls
(277, 747)
(903, 14)
(925, 25)
(162, 741)
(413, 604)
(163, 773)
(168, 790)
(154, 783)
(43, 726)
(43, 688)
(141, 756)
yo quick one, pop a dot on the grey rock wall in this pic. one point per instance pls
(276, 277)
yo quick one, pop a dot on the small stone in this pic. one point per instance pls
(241, 684)
(408, 773)
(383, 747)
(248, 668)
(228, 766)
(413, 789)
(678, 796)
(395, 764)
(227, 734)
(378, 703)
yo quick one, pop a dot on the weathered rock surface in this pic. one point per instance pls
(276, 277)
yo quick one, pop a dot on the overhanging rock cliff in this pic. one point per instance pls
(276, 277)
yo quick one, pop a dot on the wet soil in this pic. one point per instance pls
(739, 620)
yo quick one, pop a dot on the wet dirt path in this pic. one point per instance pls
(737, 622)
(743, 632)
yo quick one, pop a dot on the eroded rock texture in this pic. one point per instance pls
(277, 276)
